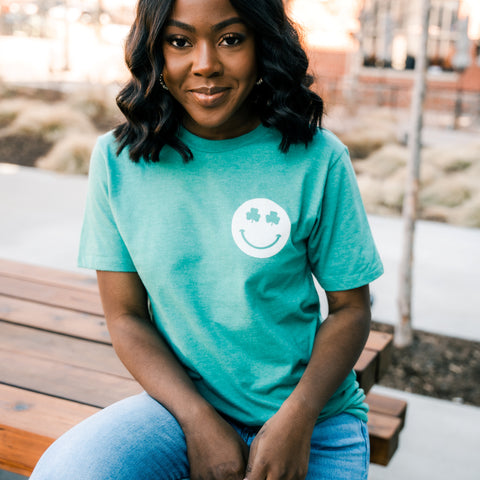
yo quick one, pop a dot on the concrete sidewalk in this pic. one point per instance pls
(41, 214)
(440, 441)
(446, 277)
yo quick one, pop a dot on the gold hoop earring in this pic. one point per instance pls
(162, 82)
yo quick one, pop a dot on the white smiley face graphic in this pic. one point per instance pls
(260, 227)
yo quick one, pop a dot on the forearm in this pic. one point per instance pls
(337, 346)
(214, 449)
(151, 362)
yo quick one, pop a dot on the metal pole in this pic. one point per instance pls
(403, 329)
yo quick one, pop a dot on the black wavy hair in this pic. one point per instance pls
(283, 100)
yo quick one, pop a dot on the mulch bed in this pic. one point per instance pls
(25, 150)
(434, 365)
(22, 149)
(437, 366)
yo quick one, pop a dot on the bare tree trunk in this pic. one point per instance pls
(354, 64)
(98, 19)
(403, 329)
(66, 39)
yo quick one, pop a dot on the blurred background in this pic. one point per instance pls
(61, 66)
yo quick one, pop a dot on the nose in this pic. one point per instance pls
(206, 62)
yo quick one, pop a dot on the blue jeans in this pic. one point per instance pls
(137, 438)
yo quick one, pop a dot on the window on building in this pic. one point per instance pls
(390, 33)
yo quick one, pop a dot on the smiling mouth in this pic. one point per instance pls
(209, 96)
(259, 248)
(208, 90)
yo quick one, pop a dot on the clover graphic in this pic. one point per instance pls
(253, 215)
(273, 218)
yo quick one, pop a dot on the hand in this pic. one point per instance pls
(215, 450)
(281, 449)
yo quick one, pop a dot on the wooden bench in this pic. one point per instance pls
(57, 365)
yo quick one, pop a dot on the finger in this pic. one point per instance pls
(255, 470)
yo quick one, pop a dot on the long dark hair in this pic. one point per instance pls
(283, 100)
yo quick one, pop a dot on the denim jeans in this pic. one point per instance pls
(137, 438)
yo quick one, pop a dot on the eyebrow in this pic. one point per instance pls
(215, 28)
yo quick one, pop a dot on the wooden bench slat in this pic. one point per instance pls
(65, 297)
(29, 422)
(20, 450)
(60, 349)
(64, 381)
(384, 432)
(47, 275)
(54, 319)
(393, 407)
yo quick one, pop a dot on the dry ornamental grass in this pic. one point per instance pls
(449, 175)
(55, 132)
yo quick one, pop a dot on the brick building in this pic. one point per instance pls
(365, 50)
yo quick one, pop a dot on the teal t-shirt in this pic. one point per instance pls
(226, 246)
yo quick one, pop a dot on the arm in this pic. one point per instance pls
(214, 449)
(282, 447)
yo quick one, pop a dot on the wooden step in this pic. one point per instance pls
(386, 419)
(393, 407)
(366, 369)
(382, 343)
(384, 432)
(374, 359)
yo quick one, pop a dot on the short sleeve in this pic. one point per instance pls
(341, 249)
(101, 245)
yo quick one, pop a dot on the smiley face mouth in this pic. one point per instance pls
(259, 248)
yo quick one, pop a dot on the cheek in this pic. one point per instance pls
(250, 68)
(170, 75)
(173, 71)
(244, 66)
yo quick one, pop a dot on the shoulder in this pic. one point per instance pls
(327, 143)
(106, 145)
(324, 151)
(105, 154)
(107, 166)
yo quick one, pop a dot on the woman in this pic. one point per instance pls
(208, 211)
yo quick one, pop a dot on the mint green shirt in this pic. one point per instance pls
(226, 246)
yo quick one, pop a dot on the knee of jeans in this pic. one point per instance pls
(136, 438)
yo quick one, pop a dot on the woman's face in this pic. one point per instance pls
(210, 67)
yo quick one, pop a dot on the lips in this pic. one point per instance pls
(209, 96)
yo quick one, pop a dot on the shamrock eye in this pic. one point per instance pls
(253, 215)
(272, 218)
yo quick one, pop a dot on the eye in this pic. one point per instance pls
(253, 215)
(232, 39)
(272, 218)
(178, 41)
